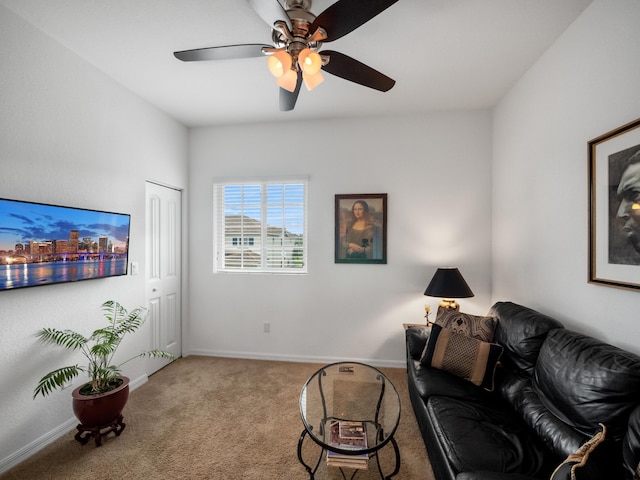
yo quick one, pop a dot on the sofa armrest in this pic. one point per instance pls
(416, 338)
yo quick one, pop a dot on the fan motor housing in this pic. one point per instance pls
(305, 4)
(300, 15)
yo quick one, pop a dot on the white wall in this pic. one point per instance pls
(585, 85)
(436, 171)
(70, 136)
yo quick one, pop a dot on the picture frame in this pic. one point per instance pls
(361, 228)
(614, 208)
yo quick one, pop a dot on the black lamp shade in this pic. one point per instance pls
(448, 283)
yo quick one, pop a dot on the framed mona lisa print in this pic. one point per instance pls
(614, 208)
(361, 228)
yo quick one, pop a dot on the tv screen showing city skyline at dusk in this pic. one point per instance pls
(43, 244)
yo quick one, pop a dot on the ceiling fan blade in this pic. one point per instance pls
(351, 69)
(271, 11)
(221, 53)
(345, 16)
(287, 98)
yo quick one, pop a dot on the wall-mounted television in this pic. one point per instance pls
(43, 244)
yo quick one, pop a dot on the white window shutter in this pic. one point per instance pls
(260, 226)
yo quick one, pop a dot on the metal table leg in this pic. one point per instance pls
(311, 471)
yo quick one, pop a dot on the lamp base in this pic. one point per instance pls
(449, 304)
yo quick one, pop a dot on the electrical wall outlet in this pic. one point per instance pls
(267, 327)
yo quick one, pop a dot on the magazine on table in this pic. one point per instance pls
(347, 435)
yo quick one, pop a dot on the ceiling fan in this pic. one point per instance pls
(297, 36)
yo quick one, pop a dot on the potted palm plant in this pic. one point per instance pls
(98, 403)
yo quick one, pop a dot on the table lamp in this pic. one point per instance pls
(448, 283)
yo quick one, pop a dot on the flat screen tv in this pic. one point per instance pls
(44, 244)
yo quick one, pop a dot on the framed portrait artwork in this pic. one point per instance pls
(614, 208)
(361, 228)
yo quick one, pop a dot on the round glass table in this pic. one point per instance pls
(351, 410)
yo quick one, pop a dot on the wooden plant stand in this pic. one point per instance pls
(85, 433)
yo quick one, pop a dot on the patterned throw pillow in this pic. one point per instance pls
(474, 326)
(462, 355)
(577, 465)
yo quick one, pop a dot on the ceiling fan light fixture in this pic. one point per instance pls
(312, 81)
(279, 63)
(294, 55)
(289, 80)
(309, 61)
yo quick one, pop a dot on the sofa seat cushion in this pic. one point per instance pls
(483, 436)
(586, 382)
(430, 381)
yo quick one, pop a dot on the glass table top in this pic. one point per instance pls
(350, 407)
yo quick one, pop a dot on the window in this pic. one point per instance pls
(260, 226)
(235, 241)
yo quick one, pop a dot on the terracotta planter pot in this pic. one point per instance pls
(102, 409)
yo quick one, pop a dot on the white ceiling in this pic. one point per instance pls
(443, 54)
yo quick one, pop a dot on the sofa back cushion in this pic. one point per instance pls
(521, 331)
(584, 382)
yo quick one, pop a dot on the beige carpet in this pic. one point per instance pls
(216, 418)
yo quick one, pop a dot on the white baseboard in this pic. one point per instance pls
(138, 382)
(296, 358)
(21, 455)
(37, 445)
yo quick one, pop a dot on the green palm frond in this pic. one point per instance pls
(157, 354)
(152, 354)
(99, 349)
(113, 310)
(112, 371)
(103, 349)
(56, 379)
(122, 321)
(65, 338)
(106, 332)
(131, 323)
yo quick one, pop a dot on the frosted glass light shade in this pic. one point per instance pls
(309, 61)
(288, 80)
(312, 81)
(279, 63)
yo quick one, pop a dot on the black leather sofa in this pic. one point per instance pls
(553, 387)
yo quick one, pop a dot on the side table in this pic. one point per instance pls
(349, 393)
